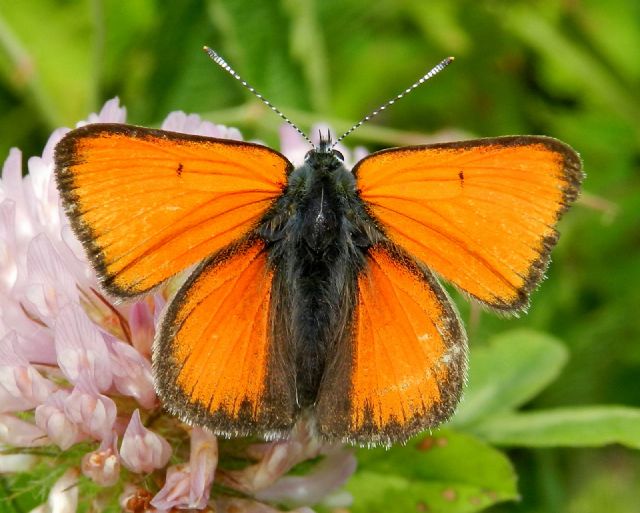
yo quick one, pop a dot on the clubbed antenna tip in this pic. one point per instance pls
(432, 72)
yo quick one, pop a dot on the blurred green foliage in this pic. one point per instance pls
(566, 69)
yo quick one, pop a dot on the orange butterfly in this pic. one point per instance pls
(315, 291)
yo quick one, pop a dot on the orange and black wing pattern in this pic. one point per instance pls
(215, 361)
(402, 367)
(481, 213)
(147, 203)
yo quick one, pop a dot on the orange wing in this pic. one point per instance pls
(215, 363)
(405, 361)
(148, 203)
(480, 213)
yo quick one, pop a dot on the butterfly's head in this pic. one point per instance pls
(324, 156)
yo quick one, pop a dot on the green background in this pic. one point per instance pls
(567, 69)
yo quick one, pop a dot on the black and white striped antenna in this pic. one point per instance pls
(434, 71)
(431, 73)
(223, 64)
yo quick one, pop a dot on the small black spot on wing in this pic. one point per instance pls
(179, 170)
(461, 177)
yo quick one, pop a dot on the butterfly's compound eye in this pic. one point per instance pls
(339, 155)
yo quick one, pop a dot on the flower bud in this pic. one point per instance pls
(50, 285)
(103, 464)
(20, 433)
(63, 497)
(51, 418)
(142, 450)
(17, 463)
(92, 411)
(22, 387)
(188, 486)
(81, 349)
(132, 372)
(324, 479)
(143, 328)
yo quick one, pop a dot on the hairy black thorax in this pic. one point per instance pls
(316, 241)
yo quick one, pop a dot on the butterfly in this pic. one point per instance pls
(316, 290)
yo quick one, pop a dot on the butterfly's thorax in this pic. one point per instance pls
(317, 244)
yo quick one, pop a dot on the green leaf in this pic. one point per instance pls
(593, 426)
(7, 504)
(615, 32)
(447, 472)
(52, 59)
(271, 72)
(512, 369)
(570, 65)
(439, 21)
(308, 48)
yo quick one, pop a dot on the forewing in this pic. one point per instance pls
(215, 361)
(147, 203)
(481, 213)
(402, 367)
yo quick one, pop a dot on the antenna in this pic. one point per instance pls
(434, 71)
(223, 64)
